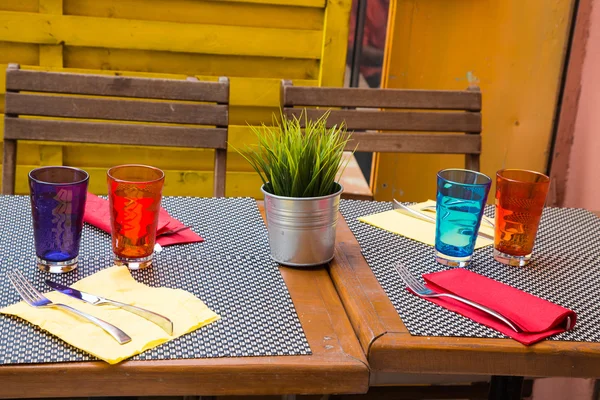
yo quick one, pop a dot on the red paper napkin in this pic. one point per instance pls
(97, 213)
(536, 317)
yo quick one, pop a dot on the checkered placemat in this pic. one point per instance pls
(231, 271)
(565, 269)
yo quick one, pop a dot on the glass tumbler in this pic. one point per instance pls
(58, 197)
(460, 202)
(520, 198)
(134, 194)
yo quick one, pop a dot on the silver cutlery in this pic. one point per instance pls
(428, 218)
(173, 231)
(36, 299)
(398, 205)
(165, 323)
(413, 284)
(484, 218)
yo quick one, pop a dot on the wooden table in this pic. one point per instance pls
(337, 363)
(393, 352)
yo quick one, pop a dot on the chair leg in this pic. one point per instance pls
(472, 162)
(506, 388)
(9, 166)
(220, 172)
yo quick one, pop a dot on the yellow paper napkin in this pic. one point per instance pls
(116, 283)
(403, 223)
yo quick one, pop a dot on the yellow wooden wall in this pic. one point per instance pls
(256, 43)
(514, 48)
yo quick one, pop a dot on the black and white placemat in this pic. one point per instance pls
(231, 271)
(565, 269)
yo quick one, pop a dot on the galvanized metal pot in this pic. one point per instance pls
(302, 229)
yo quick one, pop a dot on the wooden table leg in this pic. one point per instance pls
(506, 388)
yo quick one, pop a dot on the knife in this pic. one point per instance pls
(427, 218)
(164, 322)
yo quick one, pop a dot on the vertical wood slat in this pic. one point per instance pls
(51, 155)
(51, 55)
(335, 43)
(51, 7)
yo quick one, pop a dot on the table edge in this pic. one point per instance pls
(411, 353)
(329, 369)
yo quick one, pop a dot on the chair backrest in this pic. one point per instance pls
(396, 110)
(53, 102)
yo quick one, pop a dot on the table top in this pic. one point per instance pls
(337, 363)
(391, 350)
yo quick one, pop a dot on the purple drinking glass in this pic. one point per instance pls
(58, 197)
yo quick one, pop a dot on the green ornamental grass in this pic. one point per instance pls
(298, 157)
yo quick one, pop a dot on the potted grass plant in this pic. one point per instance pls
(299, 161)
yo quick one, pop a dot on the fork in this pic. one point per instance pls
(483, 218)
(413, 284)
(36, 299)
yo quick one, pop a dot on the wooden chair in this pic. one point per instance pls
(396, 112)
(54, 108)
(451, 124)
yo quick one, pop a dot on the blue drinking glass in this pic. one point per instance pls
(461, 198)
(58, 197)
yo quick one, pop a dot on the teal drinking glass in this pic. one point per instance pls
(461, 198)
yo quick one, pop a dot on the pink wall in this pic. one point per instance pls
(583, 179)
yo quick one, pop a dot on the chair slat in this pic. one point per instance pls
(415, 143)
(115, 109)
(397, 121)
(122, 86)
(377, 98)
(114, 133)
(54, 97)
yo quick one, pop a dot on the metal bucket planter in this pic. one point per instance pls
(302, 229)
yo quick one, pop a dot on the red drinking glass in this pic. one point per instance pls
(520, 198)
(134, 193)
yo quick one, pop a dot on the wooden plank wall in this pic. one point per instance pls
(256, 43)
(514, 50)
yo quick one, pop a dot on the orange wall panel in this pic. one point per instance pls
(514, 49)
